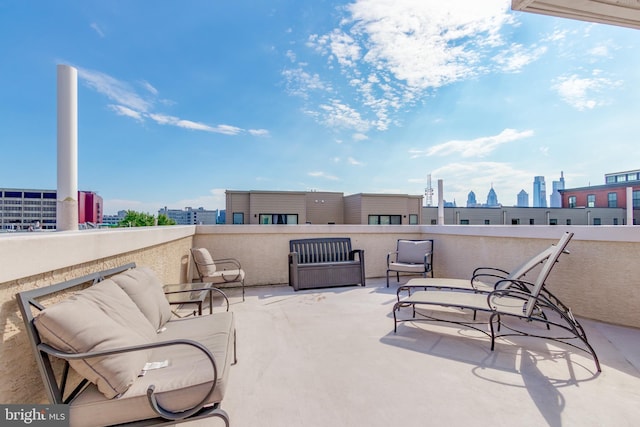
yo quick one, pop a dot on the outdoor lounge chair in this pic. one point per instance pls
(510, 302)
(209, 271)
(411, 257)
(484, 279)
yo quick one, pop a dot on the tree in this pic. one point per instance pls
(141, 219)
(165, 220)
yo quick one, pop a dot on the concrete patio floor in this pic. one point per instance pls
(329, 357)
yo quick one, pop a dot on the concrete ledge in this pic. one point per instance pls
(28, 254)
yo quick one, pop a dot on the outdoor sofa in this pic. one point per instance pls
(96, 350)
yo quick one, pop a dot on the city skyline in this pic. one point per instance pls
(178, 103)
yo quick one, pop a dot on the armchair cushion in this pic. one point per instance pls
(412, 252)
(206, 265)
(101, 317)
(145, 289)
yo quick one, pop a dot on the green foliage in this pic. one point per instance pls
(141, 219)
(165, 220)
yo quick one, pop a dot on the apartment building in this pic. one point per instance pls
(321, 207)
(190, 216)
(611, 194)
(32, 209)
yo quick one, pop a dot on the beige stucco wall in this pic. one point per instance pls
(263, 250)
(596, 279)
(21, 381)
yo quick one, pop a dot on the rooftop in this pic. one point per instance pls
(329, 357)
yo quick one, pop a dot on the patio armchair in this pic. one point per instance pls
(209, 270)
(411, 257)
(504, 303)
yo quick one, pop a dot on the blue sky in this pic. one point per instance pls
(180, 101)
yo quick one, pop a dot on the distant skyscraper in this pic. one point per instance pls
(556, 198)
(523, 199)
(492, 198)
(539, 192)
(471, 200)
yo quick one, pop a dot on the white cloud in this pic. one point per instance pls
(392, 53)
(164, 119)
(258, 132)
(359, 137)
(323, 175)
(149, 87)
(131, 104)
(300, 82)
(584, 93)
(354, 162)
(516, 57)
(95, 27)
(116, 90)
(121, 110)
(340, 116)
(462, 177)
(478, 147)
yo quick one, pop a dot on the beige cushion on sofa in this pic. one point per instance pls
(101, 317)
(178, 386)
(145, 289)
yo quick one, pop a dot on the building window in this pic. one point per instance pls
(553, 221)
(636, 199)
(532, 221)
(597, 221)
(568, 221)
(434, 222)
(487, 222)
(615, 221)
(413, 219)
(612, 200)
(515, 221)
(591, 200)
(572, 201)
(238, 217)
(278, 218)
(385, 219)
(464, 222)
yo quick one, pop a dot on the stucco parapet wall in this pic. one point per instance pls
(607, 233)
(27, 254)
(604, 233)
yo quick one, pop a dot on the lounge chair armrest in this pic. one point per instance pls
(489, 270)
(165, 413)
(408, 288)
(521, 285)
(487, 278)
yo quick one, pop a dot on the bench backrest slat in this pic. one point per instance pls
(321, 250)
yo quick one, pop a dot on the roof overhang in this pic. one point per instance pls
(624, 13)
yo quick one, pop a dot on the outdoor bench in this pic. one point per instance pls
(130, 361)
(324, 262)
